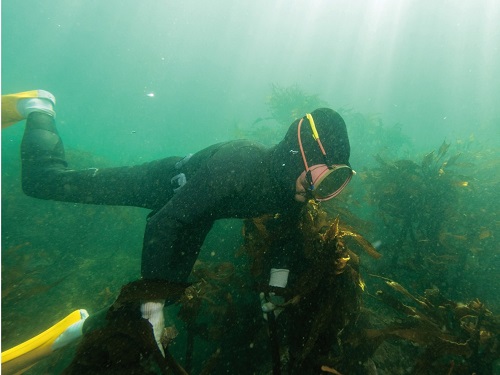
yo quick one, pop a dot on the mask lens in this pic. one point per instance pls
(332, 182)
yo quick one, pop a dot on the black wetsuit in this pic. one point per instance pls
(237, 179)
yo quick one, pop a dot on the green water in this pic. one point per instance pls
(140, 80)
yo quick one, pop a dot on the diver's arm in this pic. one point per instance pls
(175, 233)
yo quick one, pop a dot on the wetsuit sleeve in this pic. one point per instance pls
(45, 173)
(175, 233)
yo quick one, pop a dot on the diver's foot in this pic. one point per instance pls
(72, 333)
(17, 107)
(153, 312)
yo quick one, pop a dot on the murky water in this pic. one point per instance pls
(136, 81)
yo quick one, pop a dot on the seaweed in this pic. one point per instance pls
(324, 326)
(466, 333)
(326, 297)
(286, 104)
(415, 201)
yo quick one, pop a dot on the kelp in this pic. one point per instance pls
(289, 103)
(375, 137)
(323, 311)
(324, 327)
(415, 201)
(323, 299)
(468, 333)
(435, 217)
(326, 297)
(284, 105)
(323, 234)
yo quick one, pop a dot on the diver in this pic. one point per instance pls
(186, 195)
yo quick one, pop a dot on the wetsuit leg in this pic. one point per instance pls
(45, 173)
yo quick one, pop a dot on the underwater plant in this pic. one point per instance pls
(285, 104)
(327, 299)
(460, 338)
(369, 135)
(426, 215)
(415, 202)
(325, 324)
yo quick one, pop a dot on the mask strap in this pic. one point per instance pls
(315, 133)
(308, 172)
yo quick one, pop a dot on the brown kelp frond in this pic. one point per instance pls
(442, 326)
(333, 229)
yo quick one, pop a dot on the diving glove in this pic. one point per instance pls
(272, 301)
(153, 312)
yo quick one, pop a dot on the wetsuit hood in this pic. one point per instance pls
(287, 160)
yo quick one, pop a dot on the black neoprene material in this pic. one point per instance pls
(237, 179)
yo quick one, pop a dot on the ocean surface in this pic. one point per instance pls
(417, 82)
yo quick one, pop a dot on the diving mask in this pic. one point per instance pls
(324, 181)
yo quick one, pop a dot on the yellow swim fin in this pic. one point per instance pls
(25, 355)
(12, 112)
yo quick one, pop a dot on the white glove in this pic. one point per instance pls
(272, 302)
(153, 312)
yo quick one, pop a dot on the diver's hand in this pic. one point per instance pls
(271, 303)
